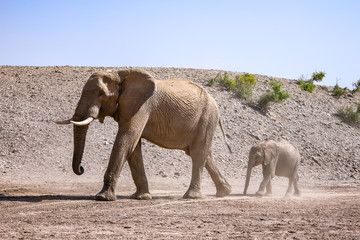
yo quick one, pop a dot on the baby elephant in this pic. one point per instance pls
(277, 158)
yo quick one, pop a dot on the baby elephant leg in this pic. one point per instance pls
(268, 189)
(297, 191)
(289, 189)
(265, 181)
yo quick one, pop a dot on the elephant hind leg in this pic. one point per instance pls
(194, 190)
(223, 188)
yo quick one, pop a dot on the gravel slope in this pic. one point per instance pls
(33, 148)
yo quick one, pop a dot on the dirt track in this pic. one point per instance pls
(55, 212)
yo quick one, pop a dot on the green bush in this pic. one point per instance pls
(348, 115)
(277, 95)
(228, 82)
(308, 85)
(318, 76)
(356, 86)
(338, 91)
(245, 85)
(225, 81)
(213, 82)
(242, 85)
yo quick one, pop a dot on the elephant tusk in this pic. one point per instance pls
(63, 122)
(83, 123)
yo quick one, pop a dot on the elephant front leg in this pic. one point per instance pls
(289, 189)
(107, 193)
(112, 173)
(124, 145)
(136, 165)
(268, 189)
(265, 181)
(261, 191)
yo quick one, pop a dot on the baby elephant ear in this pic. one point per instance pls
(270, 152)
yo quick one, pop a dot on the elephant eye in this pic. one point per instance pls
(101, 93)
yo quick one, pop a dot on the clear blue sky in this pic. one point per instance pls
(275, 38)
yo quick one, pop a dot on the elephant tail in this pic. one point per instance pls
(223, 132)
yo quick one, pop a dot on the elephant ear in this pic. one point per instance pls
(270, 152)
(136, 87)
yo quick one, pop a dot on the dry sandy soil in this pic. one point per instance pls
(68, 211)
(40, 197)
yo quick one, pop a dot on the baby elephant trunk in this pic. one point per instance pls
(248, 174)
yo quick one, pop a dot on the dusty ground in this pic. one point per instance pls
(40, 197)
(56, 212)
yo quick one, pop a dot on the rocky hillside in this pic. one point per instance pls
(31, 145)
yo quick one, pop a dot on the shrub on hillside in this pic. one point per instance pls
(348, 115)
(228, 82)
(308, 85)
(356, 86)
(245, 85)
(242, 85)
(213, 81)
(318, 76)
(338, 91)
(223, 80)
(277, 95)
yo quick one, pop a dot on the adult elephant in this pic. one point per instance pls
(174, 114)
(277, 158)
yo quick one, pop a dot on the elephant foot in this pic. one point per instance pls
(260, 193)
(106, 195)
(141, 196)
(297, 194)
(268, 194)
(224, 191)
(192, 194)
(287, 196)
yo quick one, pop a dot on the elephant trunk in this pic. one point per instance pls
(79, 144)
(248, 174)
(82, 112)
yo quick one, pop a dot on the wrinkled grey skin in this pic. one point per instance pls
(277, 158)
(174, 114)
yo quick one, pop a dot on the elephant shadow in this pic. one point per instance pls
(40, 198)
(244, 195)
(166, 197)
(233, 195)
